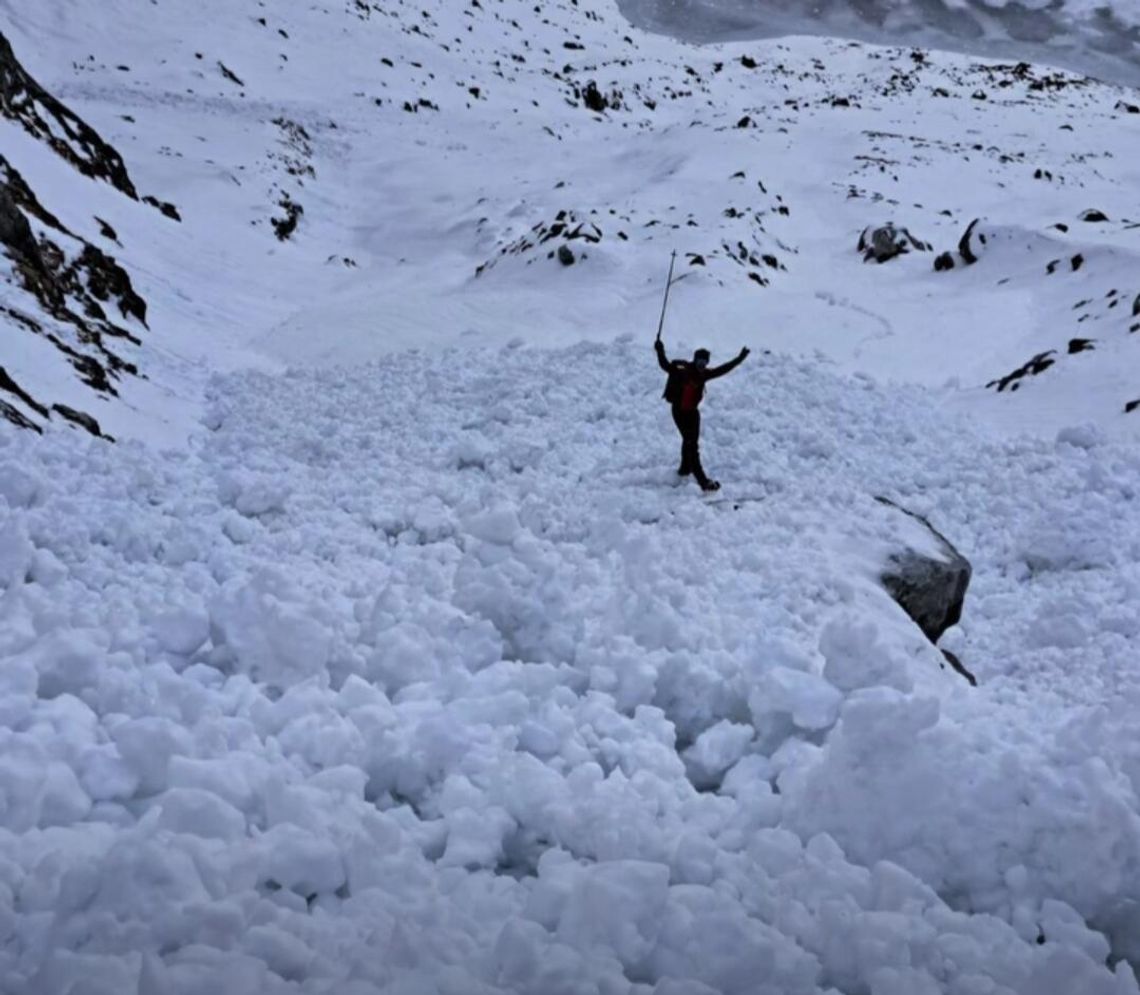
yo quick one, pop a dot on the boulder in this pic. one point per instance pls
(15, 232)
(883, 242)
(928, 577)
(967, 248)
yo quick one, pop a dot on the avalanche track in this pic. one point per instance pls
(426, 677)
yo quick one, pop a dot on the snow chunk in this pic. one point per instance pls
(191, 810)
(715, 750)
(499, 526)
(856, 658)
(1086, 436)
(616, 906)
(812, 702)
(182, 630)
(16, 552)
(19, 486)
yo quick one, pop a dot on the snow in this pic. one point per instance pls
(487, 725)
(384, 651)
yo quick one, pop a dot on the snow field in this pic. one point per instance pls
(424, 677)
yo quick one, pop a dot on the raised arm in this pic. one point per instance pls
(719, 371)
(662, 360)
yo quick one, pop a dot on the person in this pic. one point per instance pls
(684, 390)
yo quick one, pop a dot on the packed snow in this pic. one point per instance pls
(385, 651)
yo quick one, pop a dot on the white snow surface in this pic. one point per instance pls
(383, 652)
(445, 686)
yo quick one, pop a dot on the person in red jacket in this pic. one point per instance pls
(684, 390)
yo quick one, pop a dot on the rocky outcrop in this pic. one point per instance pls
(883, 242)
(70, 284)
(928, 578)
(27, 103)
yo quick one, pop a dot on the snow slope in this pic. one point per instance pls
(427, 146)
(457, 693)
(392, 661)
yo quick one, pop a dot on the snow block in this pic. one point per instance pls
(929, 583)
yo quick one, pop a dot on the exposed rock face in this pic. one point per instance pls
(929, 583)
(66, 289)
(884, 242)
(26, 102)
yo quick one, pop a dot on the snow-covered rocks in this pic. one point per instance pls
(883, 242)
(928, 577)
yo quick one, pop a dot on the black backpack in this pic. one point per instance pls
(675, 385)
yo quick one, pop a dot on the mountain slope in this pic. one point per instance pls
(440, 159)
(403, 662)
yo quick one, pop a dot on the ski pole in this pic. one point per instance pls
(665, 303)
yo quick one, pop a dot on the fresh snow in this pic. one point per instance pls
(385, 652)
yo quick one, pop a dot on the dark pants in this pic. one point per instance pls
(689, 425)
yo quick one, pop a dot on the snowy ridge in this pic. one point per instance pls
(403, 149)
(458, 692)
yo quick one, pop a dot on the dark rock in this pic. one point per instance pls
(945, 261)
(106, 230)
(565, 255)
(163, 207)
(1128, 108)
(1136, 306)
(952, 659)
(1077, 262)
(887, 241)
(748, 62)
(284, 227)
(10, 385)
(930, 587)
(17, 418)
(1038, 364)
(27, 103)
(965, 248)
(593, 98)
(1131, 406)
(15, 232)
(1093, 215)
(108, 281)
(80, 418)
(230, 74)
(1079, 345)
(744, 122)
